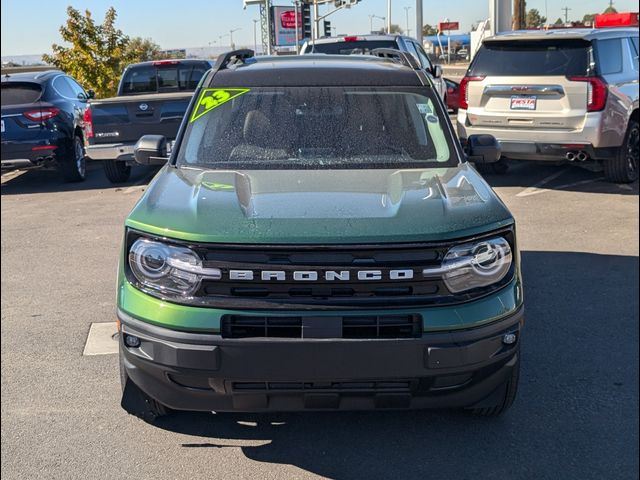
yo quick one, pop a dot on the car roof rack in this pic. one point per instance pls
(399, 56)
(234, 57)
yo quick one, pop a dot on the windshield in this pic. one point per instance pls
(525, 58)
(317, 127)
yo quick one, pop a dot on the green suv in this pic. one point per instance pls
(318, 240)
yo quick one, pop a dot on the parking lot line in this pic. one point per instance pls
(534, 189)
(102, 339)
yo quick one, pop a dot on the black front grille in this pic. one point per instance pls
(322, 261)
(374, 386)
(359, 326)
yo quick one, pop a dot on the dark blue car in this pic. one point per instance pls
(41, 125)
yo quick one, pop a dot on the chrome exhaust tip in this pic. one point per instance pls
(582, 156)
(571, 156)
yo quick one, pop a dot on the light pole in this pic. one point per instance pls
(371, 17)
(255, 41)
(233, 47)
(388, 16)
(406, 11)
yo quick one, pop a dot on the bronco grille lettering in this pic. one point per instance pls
(313, 275)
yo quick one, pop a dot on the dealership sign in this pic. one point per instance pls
(284, 26)
(442, 26)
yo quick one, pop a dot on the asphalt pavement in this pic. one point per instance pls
(576, 415)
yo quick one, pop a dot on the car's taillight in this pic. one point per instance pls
(87, 123)
(41, 114)
(350, 39)
(161, 63)
(463, 94)
(596, 92)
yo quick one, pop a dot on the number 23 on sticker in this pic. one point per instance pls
(211, 98)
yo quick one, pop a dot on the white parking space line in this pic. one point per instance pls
(533, 190)
(102, 339)
(11, 175)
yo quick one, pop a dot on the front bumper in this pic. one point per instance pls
(205, 372)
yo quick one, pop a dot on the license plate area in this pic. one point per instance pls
(523, 102)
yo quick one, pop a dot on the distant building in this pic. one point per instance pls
(175, 53)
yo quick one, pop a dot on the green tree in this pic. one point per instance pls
(97, 53)
(142, 49)
(428, 30)
(534, 19)
(396, 29)
(559, 21)
(589, 18)
(610, 9)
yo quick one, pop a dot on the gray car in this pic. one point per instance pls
(363, 44)
(568, 94)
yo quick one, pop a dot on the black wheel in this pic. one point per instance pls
(506, 394)
(624, 167)
(135, 401)
(117, 172)
(74, 164)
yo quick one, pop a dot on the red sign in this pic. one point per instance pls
(442, 26)
(627, 19)
(288, 19)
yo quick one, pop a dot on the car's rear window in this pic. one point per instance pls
(350, 48)
(164, 78)
(540, 57)
(317, 127)
(18, 93)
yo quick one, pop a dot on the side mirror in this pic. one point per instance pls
(483, 149)
(151, 150)
(91, 94)
(437, 71)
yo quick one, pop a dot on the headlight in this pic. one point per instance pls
(473, 265)
(168, 268)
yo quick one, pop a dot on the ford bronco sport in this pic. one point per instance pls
(317, 240)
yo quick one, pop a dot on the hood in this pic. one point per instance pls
(318, 206)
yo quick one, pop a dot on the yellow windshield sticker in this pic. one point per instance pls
(211, 98)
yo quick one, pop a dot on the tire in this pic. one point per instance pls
(507, 394)
(117, 172)
(135, 401)
(623, 168)
(74, 164)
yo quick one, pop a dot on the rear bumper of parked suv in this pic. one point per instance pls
(548, 144)
(206, 372)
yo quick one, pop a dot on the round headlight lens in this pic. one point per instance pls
(164, 267)
(474, 265)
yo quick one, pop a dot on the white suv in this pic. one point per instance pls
(567, 94)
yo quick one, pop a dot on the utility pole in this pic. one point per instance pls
(419, 21)
(519, 14)
(566, 14)
(255, 40)
(406, 11)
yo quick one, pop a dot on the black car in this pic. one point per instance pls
(41, 126)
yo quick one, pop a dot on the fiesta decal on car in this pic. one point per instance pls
(211, 98)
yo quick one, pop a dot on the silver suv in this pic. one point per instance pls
(562, 94)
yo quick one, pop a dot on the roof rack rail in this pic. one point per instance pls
(233, 57)
(399, 56)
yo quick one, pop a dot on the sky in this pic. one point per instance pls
(196, 23)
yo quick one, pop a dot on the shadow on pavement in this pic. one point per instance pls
(49, 181)
(548, 176)
(575, 416)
